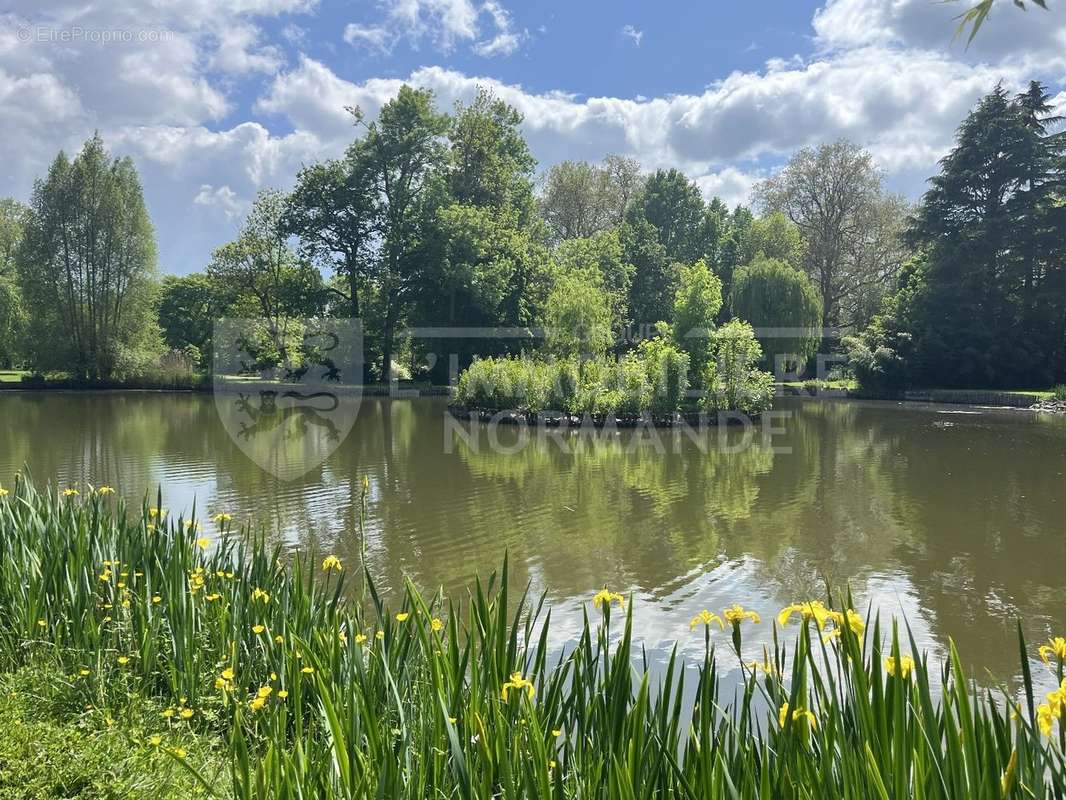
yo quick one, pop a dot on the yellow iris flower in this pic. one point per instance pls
(904, 668)
(604, 597)
(518, 682)
(797, 715)
(705, 617)
(736, 614)
(1055, 647)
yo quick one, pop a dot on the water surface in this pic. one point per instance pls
(954, 516)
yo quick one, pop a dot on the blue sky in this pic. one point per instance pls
(218, 99)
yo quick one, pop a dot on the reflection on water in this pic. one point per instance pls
(955, 518)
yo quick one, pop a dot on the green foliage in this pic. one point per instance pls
(581, 199)
(976, 15)
(770, 294)
(188, 308)
(667, 367)
(653, 379)
(673, 205)
(732, 379)
(776, 237)
(12, 322)
(835, 196)
(468, 698)
(986, 304)
(1059, 392)
(489, 162)
(696, 305)
(654, 282)
(53, 745)
(86, 267)
(602, 260)
(577, 318)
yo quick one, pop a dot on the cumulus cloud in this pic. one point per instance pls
(1034, 39)
(222, 198)
(207, 135)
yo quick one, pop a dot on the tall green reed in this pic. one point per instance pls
(320, 694)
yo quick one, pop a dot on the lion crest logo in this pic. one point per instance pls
(288, 395)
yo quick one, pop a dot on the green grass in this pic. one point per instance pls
(266, 657)
(11, 375)
(53, 745)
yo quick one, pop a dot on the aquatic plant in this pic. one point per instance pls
(318, 695)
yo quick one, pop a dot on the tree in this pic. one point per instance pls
(334, 213)
(984, 301)
(696, 305)
(770, 294)
(601, 258)
(776, 237)
(624, 179)
(834, 195)
(87, 265)
(732, 378)
(270, 281)
(485, 264)
(489, 163)
(13, 218)
(993, 228)
(577, 318)
(188, 308)
(654, 278)
(675, 208)
(403, 151)
(491, 273)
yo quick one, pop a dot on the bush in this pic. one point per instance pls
(732, 378)
(1059, 392)
(667, 368)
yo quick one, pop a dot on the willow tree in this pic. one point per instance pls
(86, 267)
(783, 306)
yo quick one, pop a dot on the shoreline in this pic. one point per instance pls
(1002, 400)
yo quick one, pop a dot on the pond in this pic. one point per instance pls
(956, 517)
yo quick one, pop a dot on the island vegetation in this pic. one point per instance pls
(230, 671)
(575, 289)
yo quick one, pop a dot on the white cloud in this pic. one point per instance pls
(487, 28)
(222, 198)
(373, 36)
(239, 51)
(633, 33)
(505, 40)
(895, 84)
(732, 185)
(1034, 39)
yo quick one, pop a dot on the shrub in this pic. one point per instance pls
(667, 368)
(696, 306)
(732, 378)
(1059, 392)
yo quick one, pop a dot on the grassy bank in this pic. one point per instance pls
(309, 693)
(54, 744)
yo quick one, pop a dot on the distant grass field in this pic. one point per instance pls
(11, 375)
